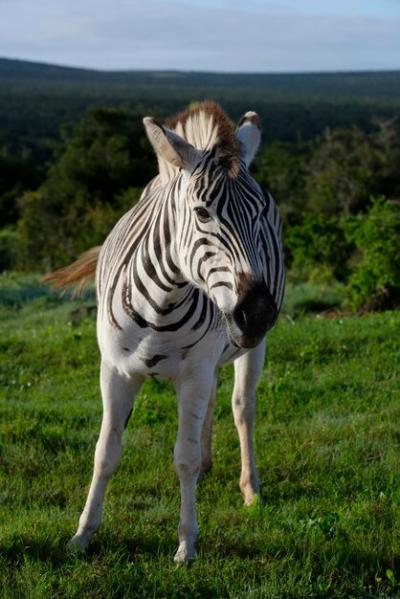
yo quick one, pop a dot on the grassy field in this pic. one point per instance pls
(327, 440)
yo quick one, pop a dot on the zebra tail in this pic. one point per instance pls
(79, 273)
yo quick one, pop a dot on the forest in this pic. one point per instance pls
(74, 158)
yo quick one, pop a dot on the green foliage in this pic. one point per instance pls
(8, 247)
(106, 153)
(341, 172)
(349, 165)
(18, 171)
(318, 248)
(335, 174)
(100, 167)
(375, 281)
(327, 441)
(363, 252)
(281, 167)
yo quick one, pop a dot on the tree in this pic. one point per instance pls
(86, 189)
(281, 168)
(348, 166)
(18, 172)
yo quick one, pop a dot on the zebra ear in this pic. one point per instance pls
(170, 146)
(248, 133)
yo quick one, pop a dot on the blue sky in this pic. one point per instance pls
(217, 35)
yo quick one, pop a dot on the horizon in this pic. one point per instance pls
(198, 72)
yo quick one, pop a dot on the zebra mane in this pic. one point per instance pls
(206, 126)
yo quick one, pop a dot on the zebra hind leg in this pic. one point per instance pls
(247, 370)
(206, 437)
(118, 394)
(193, 393)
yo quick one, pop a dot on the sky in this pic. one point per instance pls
(204, 35)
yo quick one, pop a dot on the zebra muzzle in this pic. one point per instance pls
(254, 315)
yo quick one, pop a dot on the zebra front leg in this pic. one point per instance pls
(193, 393)
(247, 370)
(206, 435)
(118, 394)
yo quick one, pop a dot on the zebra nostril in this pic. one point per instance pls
(256, 311)
(240, 318)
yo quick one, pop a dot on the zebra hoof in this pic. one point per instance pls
(184, 555)
(77, 545)
(253, 501)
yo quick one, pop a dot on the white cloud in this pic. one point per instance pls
(179, 35)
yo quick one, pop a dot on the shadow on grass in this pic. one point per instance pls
(335, 563)
(18, 549)
(231, 549)
(56, 552)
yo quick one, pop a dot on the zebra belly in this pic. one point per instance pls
(162, 355)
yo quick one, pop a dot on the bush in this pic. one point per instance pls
(8, 248)
(375, 281)
(318, 249)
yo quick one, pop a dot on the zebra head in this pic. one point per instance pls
(223, 240)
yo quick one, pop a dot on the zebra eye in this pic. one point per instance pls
(202, 214)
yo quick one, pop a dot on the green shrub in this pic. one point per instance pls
(375, 281)
(8, 248)
(318, 249)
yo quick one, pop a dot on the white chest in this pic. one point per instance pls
(164, 356)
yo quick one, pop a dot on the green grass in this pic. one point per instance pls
(328, 451)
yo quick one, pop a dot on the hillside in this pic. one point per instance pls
(371, 84)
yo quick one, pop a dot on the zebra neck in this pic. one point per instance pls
(154, 284)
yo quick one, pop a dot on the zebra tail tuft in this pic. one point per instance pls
(79, 273)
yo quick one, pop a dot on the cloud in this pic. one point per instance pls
(179, 35)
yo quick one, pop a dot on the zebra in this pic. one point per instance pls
(190, 278)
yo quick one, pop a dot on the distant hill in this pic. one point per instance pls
(369, 84)
(14, 69)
